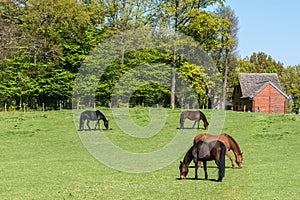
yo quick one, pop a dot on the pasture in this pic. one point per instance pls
(42, 157)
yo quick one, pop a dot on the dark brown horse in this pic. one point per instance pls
(203, 151)
(92, 116)
(229, 142)
(194, 116)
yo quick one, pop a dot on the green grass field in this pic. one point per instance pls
(42, 157)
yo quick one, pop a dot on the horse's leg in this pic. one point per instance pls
(219, 168)
(220, 161)
(205, 169)
(230, 157)
(194, 124)
(198, 123)
(181, 123)
(88, 124)
(81, 124)
(196, 169)
(220, 173)
(97, 124)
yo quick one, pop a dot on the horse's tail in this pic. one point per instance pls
(81, 122)
(222, 160)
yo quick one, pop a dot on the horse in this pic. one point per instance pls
(193, 115)
(229, 142)
(92, 116)
(204, 151)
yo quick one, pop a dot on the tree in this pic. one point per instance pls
(217, 34)
(11, 36)
(47, 40)
(291, 85)
(178, 14)
(228, 45)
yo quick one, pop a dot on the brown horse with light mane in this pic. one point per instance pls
(229, 142)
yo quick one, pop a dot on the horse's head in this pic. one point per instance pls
(106, 124)
(184, 170)
(239, 160)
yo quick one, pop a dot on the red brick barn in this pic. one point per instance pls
(259, 93)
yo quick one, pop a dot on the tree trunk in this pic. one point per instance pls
(173, 86)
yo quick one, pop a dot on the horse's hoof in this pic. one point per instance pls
(219, 179)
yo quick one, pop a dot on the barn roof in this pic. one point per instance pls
(253, 83)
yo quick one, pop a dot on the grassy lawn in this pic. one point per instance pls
(42, 157)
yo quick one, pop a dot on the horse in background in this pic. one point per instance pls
(229, 142)
(194, 116)
(92, 116)
(204, 151)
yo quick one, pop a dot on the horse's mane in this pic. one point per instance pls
(203, 115)
(102, 115)
(188, 156)
(231, 138)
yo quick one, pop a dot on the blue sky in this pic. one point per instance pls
(269, 26)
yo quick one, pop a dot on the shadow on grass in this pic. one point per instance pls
(191, 128)
(215, 167)
(95, 129)
(198, 179)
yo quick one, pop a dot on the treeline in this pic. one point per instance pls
(44, 43)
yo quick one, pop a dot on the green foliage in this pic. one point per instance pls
(291, 84)
(261, 63)
(45, 42)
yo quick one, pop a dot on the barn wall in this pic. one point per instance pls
(269, 100)
(238, 103)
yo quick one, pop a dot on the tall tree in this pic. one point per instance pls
(178, 14)
(11, 36)
(217, 34)
(228, 45)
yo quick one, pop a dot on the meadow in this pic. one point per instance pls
(42, 157)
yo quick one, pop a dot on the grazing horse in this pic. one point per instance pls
(92, 116)
(204, 151)
(193, 115)
(229, 142)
